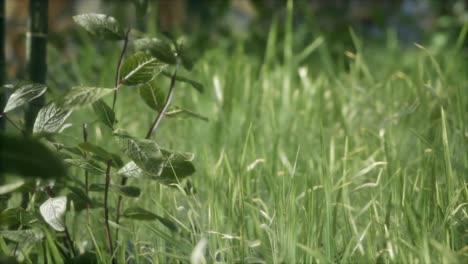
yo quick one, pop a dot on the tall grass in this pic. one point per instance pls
(309, 158)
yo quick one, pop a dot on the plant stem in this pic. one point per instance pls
(85, 139)
(13, 123)
(36, 55)
(106, 212)
(116, 91)
(119, 68)
(148, 135)
(158, 119)
(2, 61)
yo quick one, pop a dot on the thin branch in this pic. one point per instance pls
(158, 119)
(106, 212)
(119, 68)
(13, 123)
(148, 135)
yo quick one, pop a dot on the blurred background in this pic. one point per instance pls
(225, 23)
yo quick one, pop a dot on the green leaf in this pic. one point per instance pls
(29, 157)
(24, 93)
(130, 170)
(23, 236)
(157, 47)
(104, 113)
(129, 191)
(180, 112)
(79, 96)
(50, 118)
(78, 192)
(101, 26)
(10, 187)
(53, 211)
(198, 86)
(140, 68)
(144, 152)
(88, 165)
(15, 216)
(187, 61)
(138, 213)
(152, 95)
(177, 166)
(102, 154)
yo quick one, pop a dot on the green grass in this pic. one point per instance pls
(306, 157)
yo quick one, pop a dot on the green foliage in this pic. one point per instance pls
(101, 26)
(50, 119)
(41, 174)
(198, 86)
(152, 95)
(140, 68)
(23, 236)
(144, 152)
(90, 165)
(138, 213)
(156, 47)
(80, 96)
(101, 154)
(128, 191)
(24, 92)
(28, 157)
(104, 113)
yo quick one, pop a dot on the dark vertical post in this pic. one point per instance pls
(2, 62)
(36, 44)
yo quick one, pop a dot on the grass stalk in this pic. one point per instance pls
(110, 246)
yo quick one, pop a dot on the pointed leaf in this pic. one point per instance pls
(138, 213)
(180, 112)
(130, 170)
(78, 192)
(15, 216)
(53, 212)
(29, 157)
(10, 187)
(129, 191)
(157, 47)
(102, 154)
(187, 61)
(24, 93)
(101, 26)
(144, 152)
(198, 86)
(50, 118)
(104, 113)
(140, 68)
(79, 96)
(88, 165)
(23, 236)
(152, 95)
(177, 166)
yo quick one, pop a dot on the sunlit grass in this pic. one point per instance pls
(306, 157)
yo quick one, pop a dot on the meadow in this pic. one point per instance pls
(307, 156)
